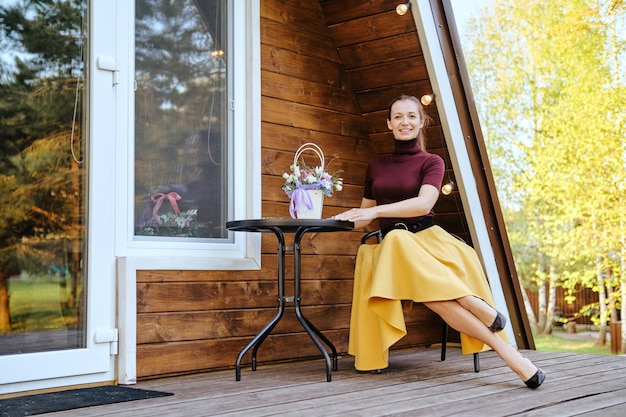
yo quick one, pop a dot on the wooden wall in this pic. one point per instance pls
(382, 55)
(328, 71)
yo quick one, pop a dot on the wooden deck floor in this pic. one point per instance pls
(415, 384)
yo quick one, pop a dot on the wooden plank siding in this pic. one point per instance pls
(328, 72)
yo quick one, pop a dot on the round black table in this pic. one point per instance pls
(280, 227)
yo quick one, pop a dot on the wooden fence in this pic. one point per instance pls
(584, 296)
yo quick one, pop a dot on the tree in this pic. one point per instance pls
(41, 176)
(554, 129)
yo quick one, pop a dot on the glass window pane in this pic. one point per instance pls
(181, 146)
(42, 175)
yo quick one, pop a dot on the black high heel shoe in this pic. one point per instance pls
(499, 322)
(536, 380)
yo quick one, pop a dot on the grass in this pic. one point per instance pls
(40, 304)
(556, 343)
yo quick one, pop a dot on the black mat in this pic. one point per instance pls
(30, 405)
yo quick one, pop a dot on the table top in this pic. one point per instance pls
(288, 225)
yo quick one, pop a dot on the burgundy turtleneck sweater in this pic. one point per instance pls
(399, 176)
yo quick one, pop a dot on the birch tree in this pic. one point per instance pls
(551, 105)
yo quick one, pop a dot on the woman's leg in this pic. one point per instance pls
(485, 313)
(463, 320)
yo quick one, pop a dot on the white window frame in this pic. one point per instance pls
(241, 251)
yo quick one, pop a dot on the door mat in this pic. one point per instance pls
(30, 405)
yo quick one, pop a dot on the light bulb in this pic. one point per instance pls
(427, 99)
(402, 8)
(447, 188)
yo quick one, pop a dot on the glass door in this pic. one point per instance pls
(49, 332)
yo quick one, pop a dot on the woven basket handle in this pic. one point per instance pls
(309, 147)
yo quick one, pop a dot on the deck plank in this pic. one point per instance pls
(416, 383)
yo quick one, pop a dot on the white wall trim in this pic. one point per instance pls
(127, 300)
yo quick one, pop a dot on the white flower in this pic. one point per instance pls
(323, 180)
(312, 178)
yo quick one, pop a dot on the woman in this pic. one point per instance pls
(417, 260)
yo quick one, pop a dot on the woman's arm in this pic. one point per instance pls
(412, 207)
(358, 215)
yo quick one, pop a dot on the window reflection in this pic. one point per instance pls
(180, 119)
(42, 175)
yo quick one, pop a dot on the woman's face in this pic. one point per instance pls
(405, 120)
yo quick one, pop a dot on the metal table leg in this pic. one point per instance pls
(308, 326)
(311, 330)
(262, 335)
(256, 342)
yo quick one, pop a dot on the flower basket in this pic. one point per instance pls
(311, 206)
(306, 187)
(176, 223)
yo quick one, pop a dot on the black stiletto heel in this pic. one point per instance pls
(499, 322)
(536, 380)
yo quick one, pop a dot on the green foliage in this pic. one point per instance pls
(550, 92)
(49, 30)
(41, 173)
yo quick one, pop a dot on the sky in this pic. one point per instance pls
(464, 9)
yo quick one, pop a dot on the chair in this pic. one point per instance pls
(444, 334)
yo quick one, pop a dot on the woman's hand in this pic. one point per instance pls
(411, 207)
(357, 215)
(362, 216)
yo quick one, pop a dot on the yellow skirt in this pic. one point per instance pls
(430, 265)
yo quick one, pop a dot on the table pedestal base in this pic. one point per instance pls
(312, 331)
(279, 227)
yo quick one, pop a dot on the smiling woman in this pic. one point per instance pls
(417, 260)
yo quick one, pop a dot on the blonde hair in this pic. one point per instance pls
(425, 118)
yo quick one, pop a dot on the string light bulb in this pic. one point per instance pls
(402, 8)
(447, 188)
(427, 99)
